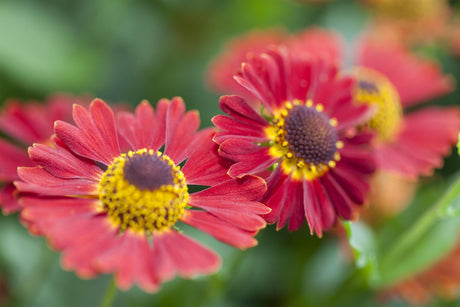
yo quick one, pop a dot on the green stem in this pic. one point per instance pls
(109, 295)
(440, 210)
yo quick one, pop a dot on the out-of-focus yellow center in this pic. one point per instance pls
(408, 9)
(143, 191)
(376, 90)
(305, 138)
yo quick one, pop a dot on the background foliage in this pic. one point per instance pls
(126, 51)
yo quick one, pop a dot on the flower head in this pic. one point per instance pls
(393, 80)
(26, 124)
(127, 206)
(305, 135)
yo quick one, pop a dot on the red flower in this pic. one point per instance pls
(320, 167)
(391, 79)
(110, 211)
(408, 143)
(26, 124)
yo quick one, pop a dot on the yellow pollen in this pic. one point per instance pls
(333, 122)
(298, 158)
(374, 89)
(131, 206)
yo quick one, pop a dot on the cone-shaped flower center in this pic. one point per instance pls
(376, 90)
(307, 139)
(143, 191)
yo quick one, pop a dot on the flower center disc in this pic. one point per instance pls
(143, 191)
(307, 138)
(310, 136)
(376, 90)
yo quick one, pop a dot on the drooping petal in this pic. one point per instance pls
(130, 257)
(188, 256)
(219, 229)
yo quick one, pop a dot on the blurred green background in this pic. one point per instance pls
(126, 51)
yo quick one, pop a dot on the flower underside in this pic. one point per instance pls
(306, 138)
(143, 191)
(376, 90)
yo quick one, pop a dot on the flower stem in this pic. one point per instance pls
(109, 295)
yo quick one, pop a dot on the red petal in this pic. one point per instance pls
(39, 181)
(178, 143)
(319, 210)
(232, 128)
(227, 202)
(221, 230)
(130, 258)
(246, 188)
(189, 257)
(44, 213)
(8, 201)
(205, 166)
(277, 187)
(61, 163)
(291, 205)
(251, 157)
(96, 137)
(340, 200)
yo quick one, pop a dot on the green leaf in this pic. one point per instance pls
(426, 241)
(363, 242)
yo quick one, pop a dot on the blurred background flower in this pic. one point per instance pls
(149, 49)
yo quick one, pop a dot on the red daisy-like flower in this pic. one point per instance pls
(26, 124)
(306, 135)
(114, 211)
(392, 79)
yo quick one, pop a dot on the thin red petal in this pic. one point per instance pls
(61, 163)
(219, 229)
(189, 257)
